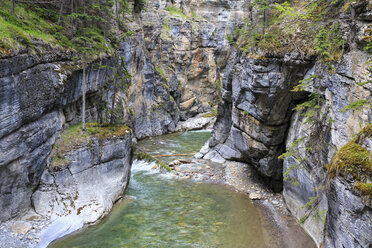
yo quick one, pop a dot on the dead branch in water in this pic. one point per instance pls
(174, 155)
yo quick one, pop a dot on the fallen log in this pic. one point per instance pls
(174, 155)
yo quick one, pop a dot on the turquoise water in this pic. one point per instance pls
(165, 212)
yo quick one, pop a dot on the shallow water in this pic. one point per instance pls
(165, 212)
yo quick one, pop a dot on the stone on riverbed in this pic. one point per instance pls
(21, 227)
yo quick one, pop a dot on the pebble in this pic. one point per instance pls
(275, 202)
(254, 196)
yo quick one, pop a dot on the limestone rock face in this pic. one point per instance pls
(35, 93)
(175, 58)
(349, 217)
(253, 118)
(334, 200)
(256, 122)
(85, 188)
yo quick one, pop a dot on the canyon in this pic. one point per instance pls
(184, 73)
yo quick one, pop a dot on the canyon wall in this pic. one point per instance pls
(257, 122)
(174, 53)
(182, 66)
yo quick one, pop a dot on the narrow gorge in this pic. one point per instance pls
(285, 88)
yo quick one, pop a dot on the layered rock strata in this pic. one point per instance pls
(84, 189)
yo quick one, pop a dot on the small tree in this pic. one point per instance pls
(263, 6)
(13, 6)
(85, 51)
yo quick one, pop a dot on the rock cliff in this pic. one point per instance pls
(182, 65)
(175, 56)
(174, 53)
(258, 121)
(36, 94)
(84, 188)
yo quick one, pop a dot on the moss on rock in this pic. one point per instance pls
(73, 137)
(364, 188)
(354, 161)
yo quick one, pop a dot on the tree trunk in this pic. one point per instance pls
(13, 7)
(83, 88)
(265, 22)
(72, 6)
(112, 119)
(60, 12)
(117, 13)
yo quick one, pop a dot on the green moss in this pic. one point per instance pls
(60, 161)
(364, 188)
(176, 12)
(73, 137)
(366, 132)
(213, 114)
(353, 159)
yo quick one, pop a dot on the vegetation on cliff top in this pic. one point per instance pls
(309, 27)
(73, 137)
(87, 27)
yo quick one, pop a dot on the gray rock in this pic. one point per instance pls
(82, 196)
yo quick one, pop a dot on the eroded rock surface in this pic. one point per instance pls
(253, 118)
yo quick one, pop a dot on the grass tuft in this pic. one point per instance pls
(364, 188)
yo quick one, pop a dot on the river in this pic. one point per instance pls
(161, 211)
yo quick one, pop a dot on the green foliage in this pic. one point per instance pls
(213, 114)
(355, 162)
(304, 218)
(87, 30)
(160, 71)
(293, 146)
(313, 200)
(303, 84)
(176, 12)
(312, 106)
(17, 32)
(328, 44)
(356, 105)
(116, 82)
(320, 215)
(364, 83)
(302, 26)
